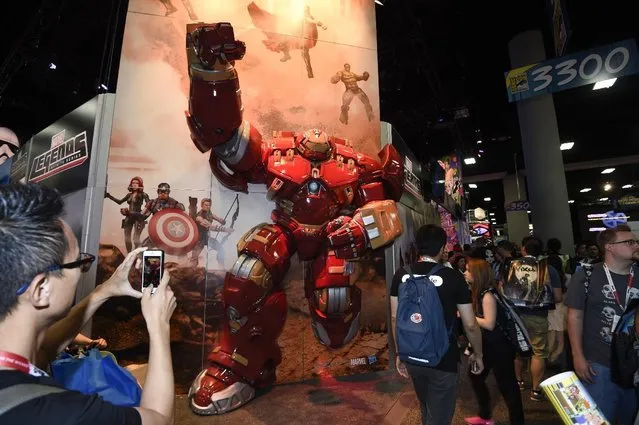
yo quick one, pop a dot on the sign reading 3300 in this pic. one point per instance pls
(598, 64)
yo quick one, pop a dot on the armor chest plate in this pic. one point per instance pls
(312, 193)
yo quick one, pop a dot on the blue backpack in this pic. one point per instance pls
(422, 337)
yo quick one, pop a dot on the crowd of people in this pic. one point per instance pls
(584, 295)
(478, 288)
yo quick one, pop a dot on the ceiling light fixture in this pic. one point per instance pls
(605, 84)
(492, 214)
(585, 189)
(487, 199)
(52, 66)
(566, 146)
(379, 2)
(472, 186)
(529, 212)
(626, 186)
(608, 170)
(470, 160)
(571, 201)
(607, 187)
(603, 199)
(479, 142)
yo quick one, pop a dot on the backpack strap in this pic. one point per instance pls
(588, 272)
(19, 394)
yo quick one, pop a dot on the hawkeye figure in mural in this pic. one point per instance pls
(350, 80)
(205, 220)
(133, 222)
(332, 206)
(283, 36)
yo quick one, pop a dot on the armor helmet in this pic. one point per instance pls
(164, 188)
(140, 183)
(315, 145)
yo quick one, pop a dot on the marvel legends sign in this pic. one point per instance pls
(59, 155)
(64, 154)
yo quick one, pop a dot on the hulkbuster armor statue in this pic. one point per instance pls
(333, 204)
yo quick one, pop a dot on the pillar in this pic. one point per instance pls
(548, 194)
(517, 220)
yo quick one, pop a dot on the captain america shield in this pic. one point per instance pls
(173, 231)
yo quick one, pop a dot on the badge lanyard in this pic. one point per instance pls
(631, 277)
(20, 364)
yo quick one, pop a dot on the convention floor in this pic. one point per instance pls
(379, 398)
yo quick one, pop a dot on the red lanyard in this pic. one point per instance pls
(14, 361)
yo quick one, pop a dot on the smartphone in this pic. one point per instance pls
(152, 268)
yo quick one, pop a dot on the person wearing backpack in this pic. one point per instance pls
(499, 352)
(533, 287)
(596, 299)
(442, 292)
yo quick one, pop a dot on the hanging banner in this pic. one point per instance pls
(561, 30)
(567, 72)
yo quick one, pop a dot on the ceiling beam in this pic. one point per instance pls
(574, 166)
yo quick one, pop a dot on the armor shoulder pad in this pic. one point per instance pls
(392, 166)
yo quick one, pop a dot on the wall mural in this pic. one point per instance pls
(278, 157)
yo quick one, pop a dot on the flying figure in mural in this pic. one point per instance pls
(205, 220)
(303, 35)
(332, 206)
(350, 80)
(170, 9)
(133, 222)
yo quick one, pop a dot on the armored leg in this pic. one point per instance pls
(247, 352)
(334, 300)
(307, 60)
(347, 98)
(367, 104)
(170, 9)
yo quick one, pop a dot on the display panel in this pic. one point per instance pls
(308, 65)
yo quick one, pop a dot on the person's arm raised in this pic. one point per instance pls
(158, 395)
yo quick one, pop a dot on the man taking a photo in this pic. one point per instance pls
(40, 265)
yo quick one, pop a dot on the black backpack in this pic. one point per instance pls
(625, 348)
(514, 329)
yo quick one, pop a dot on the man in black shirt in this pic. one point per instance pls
(41, 265)
(436, 387)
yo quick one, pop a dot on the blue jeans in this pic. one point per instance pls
(616, 403)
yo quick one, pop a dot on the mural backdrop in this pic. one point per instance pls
(284, 86)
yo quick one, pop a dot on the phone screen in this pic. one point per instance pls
(152, 271)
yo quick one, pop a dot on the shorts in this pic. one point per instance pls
(557, 318)
(537, 327)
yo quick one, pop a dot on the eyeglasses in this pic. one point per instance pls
(630, 243)
(83, 262)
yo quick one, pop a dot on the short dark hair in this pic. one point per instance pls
(31, 238)
(205, 200)
(554, 245)
(533, 246)
(467, 247)
(430, 239)
(507, 246)
(609, 235)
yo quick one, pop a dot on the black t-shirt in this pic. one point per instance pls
(452, 289)
(65, 408)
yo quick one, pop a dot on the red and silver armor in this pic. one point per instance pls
(332, 205)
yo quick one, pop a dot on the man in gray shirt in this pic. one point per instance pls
(592, 318)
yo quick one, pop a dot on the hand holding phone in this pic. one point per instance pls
(152, 268)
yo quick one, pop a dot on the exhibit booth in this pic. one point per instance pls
(132, 173)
